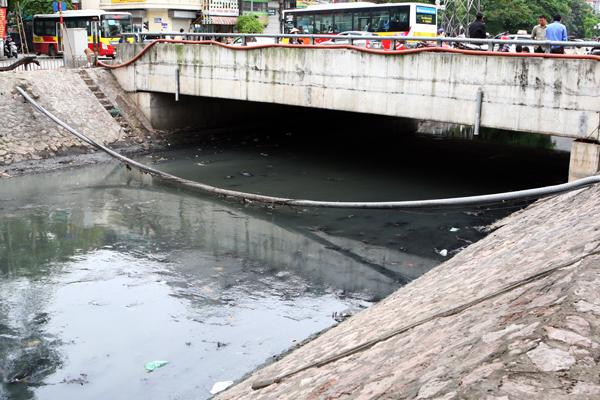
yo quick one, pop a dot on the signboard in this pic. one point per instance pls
(272, 11)
(306, 3)
(63, 6)
(2, 22)
(158, 20)
(226, 12)
(127, 1)
(426, 15)
(165, 25)
(226, 8)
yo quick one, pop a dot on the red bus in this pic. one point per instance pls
(46, 29)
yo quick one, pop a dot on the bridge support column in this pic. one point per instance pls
(585, 159)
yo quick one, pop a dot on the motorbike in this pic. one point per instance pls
(10, 48)
(470, 46)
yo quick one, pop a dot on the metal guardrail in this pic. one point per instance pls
(438, 40)
(45, 63)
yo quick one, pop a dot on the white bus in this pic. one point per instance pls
(389, 19)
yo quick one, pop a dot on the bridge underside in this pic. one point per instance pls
(548, 96)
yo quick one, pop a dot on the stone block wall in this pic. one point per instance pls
(26, 134)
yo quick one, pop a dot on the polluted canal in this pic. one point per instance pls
(104, 271)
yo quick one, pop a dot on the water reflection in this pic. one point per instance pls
(103, 272)
(498, 136)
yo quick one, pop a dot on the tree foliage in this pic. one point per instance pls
(249, 24)
(32, 7)
(513, 15)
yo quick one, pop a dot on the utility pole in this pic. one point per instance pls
(456, 15)
(280, 12)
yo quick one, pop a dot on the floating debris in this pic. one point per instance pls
(220, 386)
(151, 366)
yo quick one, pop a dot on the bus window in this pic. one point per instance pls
(114, 24)
(362, 20)
(306, 23)
(342, 21)
(399, 20)
(38, 27)
(49, 28)
(323, 22)
(381, 20)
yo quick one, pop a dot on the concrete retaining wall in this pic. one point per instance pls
(26, 134)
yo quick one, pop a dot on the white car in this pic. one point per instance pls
(342, 39)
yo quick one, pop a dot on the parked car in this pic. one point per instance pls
(342, 39)
(518, 36)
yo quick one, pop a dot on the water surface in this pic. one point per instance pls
(103, 270)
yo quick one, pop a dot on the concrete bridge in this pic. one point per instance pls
(556, 96)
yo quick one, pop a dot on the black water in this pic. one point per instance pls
(103, 270)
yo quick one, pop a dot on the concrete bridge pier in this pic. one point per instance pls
(585, 159)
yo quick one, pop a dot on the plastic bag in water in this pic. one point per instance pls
(220, 386)
(151, 366)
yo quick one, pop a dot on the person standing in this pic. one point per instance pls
(477, 27)
(539, 33)
(557, 32)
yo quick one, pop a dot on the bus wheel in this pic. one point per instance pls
(52, 51)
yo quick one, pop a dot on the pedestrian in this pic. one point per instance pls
(477, 27)
(181, 36)
(557, 32)
(518, 48)
(539, 33)
(122, 38)
(294, 31)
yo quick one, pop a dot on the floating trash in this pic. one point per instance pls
(220, 386)
(151, 366)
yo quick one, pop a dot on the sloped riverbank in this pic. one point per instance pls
(514, 315)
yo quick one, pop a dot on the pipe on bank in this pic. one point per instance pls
(478, 111)
(363, 49)
(391, 205)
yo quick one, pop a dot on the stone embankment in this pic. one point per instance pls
(26, 134)
(514, 316)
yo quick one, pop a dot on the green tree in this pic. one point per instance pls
(249, 24)
(506, 16)
(580, 19)
(32, 7)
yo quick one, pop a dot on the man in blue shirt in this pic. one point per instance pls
(557, 32)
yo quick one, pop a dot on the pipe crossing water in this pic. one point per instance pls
(448, 203)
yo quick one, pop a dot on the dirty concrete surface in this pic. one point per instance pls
(26, 134)
(517, 336)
